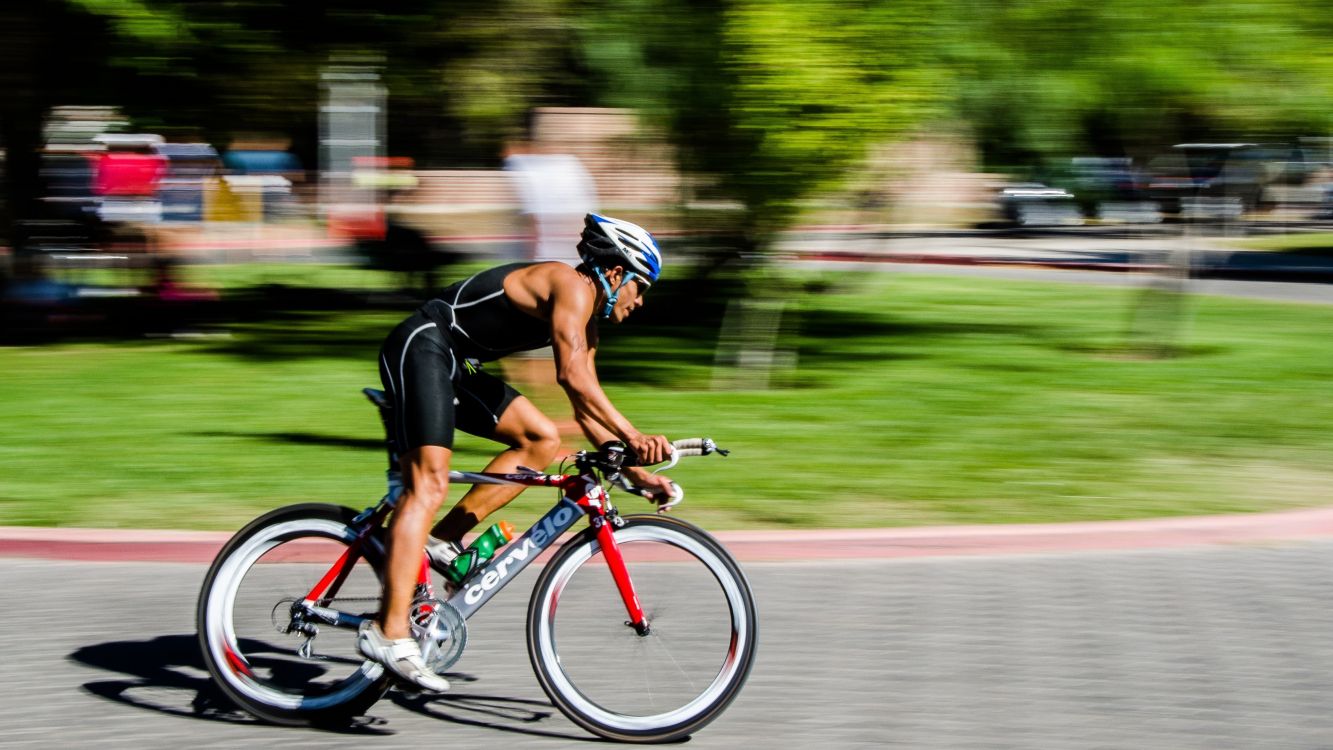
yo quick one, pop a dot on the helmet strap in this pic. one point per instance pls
(612, 295)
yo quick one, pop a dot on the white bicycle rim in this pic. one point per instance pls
(222, 636)
(741, 634)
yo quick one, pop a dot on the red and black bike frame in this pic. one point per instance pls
(581, 495)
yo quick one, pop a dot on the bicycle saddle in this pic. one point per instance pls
(377, 397)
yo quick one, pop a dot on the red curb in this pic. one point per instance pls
(107, 545)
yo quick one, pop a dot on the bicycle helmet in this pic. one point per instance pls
(607, 242)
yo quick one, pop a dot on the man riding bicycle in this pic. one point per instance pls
(429, 368)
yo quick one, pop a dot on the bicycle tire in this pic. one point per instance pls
(569, 650)
(230, 628)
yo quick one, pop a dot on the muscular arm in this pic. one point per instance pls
(573, 340)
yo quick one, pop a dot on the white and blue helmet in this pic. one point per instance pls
(608, 242)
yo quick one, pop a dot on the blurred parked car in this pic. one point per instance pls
(189, 168)
(268, 173)
(67, 176)
(1325, 209)
(1106, 178)
(1220, 174)
(1111, 189)
(128, 175)
(1033, 204)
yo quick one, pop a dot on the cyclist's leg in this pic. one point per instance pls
(425, 486)
(416, 367)
(490, 408)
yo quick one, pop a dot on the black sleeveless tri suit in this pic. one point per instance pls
(430, 363)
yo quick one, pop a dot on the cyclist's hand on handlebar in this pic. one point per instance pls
(657, 484)
(650, 449)
(661, 489)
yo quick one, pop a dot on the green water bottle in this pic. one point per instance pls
(481, 550)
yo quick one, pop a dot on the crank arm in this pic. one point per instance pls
(333, 617)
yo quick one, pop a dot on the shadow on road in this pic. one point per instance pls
(518, 715)
(167, 675)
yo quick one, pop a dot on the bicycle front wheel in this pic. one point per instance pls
(662, 685)
(312, 674)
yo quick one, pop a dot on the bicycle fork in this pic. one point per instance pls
(615, 561)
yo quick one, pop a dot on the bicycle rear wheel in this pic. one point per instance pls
(656, 687)
(246, 604)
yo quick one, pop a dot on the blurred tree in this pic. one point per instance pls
(768, 101)
(45, 49)
(461, 78)
(510, 56)
(1043, 79)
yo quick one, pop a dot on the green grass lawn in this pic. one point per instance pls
(914, 400)
(1316, 243)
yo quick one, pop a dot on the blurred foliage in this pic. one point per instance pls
(778, 100)
(773, 100)
(462, 78)
(1049, 78)
(767, 102)
(514, 55)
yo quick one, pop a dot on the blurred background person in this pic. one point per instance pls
(555, 192)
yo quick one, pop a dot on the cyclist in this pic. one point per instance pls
(429, 366)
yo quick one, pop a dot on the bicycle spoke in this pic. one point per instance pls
(662, 643)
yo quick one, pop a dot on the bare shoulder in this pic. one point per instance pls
(543, 286)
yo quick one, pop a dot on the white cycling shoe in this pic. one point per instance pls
(401, 657)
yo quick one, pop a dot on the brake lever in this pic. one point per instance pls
(674, 499)
(677, 495)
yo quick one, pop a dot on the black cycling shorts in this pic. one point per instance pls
(433, 390)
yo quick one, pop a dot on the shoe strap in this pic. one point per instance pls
(403, 650)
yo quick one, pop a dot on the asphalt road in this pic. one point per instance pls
(1212, 647)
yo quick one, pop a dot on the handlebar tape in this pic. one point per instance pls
(691, 447)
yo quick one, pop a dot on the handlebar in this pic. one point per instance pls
(613, 456)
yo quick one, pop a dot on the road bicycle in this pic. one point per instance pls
(652, 652)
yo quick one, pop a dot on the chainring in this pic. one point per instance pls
(441, 632)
